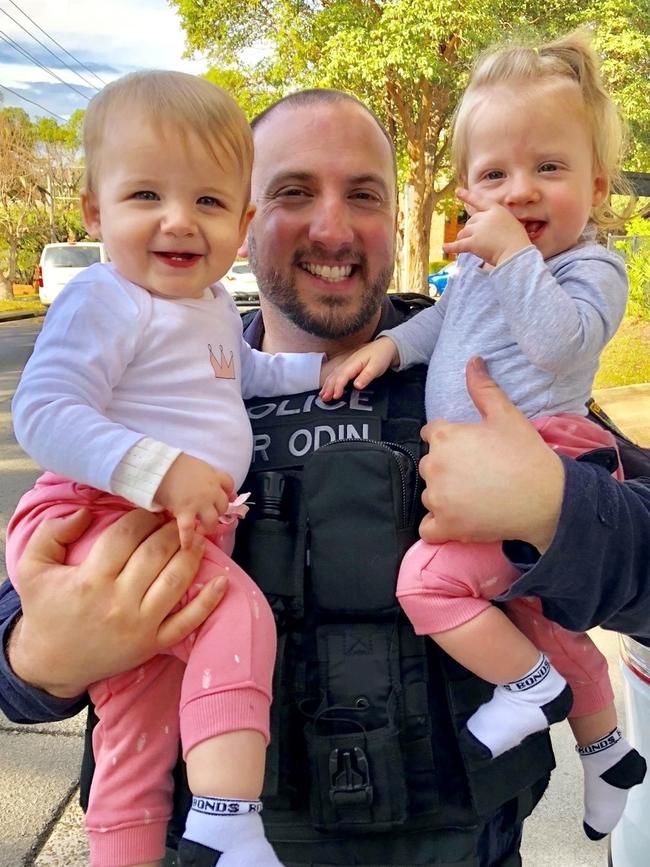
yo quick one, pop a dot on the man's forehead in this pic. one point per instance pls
(335, 138)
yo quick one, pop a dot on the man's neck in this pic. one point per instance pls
(281, 335)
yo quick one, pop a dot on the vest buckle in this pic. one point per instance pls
(349, 777)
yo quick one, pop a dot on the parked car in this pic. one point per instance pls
(241, 283)
(438, 281)
(59, 263)
(630, 839)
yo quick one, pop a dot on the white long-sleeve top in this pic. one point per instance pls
(115, 365)
(540, 326)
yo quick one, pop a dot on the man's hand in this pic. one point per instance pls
(110, 613)
(193, 490)
(492, 480)
(362, 366)
(492, 233)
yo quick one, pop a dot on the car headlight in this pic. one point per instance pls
(636, 656)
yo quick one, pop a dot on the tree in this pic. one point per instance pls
(60, 146)
(409, 60)
(39, 168)
(18, 187)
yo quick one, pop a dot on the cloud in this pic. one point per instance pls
(110, 38)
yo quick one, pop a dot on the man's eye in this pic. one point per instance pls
(146, 195)
(290, 193)
(209, 202)
(366, 197)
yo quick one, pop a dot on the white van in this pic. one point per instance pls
(61, 262)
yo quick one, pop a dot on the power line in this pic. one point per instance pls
(31, 57)
(52, 39)
(31, 101)
(43, 45)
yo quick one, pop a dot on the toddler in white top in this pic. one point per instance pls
(536, 146)
(134, 396)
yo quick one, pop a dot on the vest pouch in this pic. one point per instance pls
(270, 545)
(362, 499)
(357, 777)
(357, 780)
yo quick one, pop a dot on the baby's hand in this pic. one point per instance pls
(492, 233)
(193, 490)
(362, 366)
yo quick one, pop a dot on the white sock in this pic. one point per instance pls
(232, 827)
(520, 708)
(611, 768)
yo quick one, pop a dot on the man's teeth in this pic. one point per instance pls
(328, 272)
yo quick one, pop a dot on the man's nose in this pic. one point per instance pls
(522, 189)
(178, 219)
(331, 223)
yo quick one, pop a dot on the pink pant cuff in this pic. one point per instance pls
(436, 613)
(208, 716)
(122, 847)
(591, 697)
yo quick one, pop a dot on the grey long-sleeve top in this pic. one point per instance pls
(540, 326)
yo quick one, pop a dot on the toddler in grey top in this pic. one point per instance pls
(536, 145)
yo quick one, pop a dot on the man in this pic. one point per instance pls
(322, 249)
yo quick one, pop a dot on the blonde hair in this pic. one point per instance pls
(569, 60)
(186, 103)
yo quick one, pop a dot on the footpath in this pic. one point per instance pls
(39, 765)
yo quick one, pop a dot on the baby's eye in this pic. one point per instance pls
(494, 175)
(209, 202)
(548, 167)
(146, 195)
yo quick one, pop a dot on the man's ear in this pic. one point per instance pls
(600, 190)
(90, 213)
(247, 216)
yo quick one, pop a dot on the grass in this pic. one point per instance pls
(29, 303)
(626, 359)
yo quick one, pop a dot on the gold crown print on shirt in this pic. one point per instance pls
(223, 368)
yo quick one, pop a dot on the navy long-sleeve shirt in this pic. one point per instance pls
(19, 701)
(597, 569)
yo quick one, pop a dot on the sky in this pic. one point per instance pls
(110, 37)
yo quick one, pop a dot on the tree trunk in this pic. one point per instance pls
(13, 260)
(398, 268)
(417, 237)
(6, 290)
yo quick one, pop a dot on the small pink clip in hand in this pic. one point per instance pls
(237, 509)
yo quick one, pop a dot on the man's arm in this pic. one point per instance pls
(498, 480)
(19, 701)
(596, 570)
(83, 623)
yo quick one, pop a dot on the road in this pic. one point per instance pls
(39, 768)
(18, 472)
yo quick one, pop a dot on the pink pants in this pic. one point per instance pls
(218, 680)
(443, 586)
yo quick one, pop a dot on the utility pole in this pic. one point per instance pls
(50, 195)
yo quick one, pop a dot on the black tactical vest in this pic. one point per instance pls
(364, 765)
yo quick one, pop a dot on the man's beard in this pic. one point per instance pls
(331, 321)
